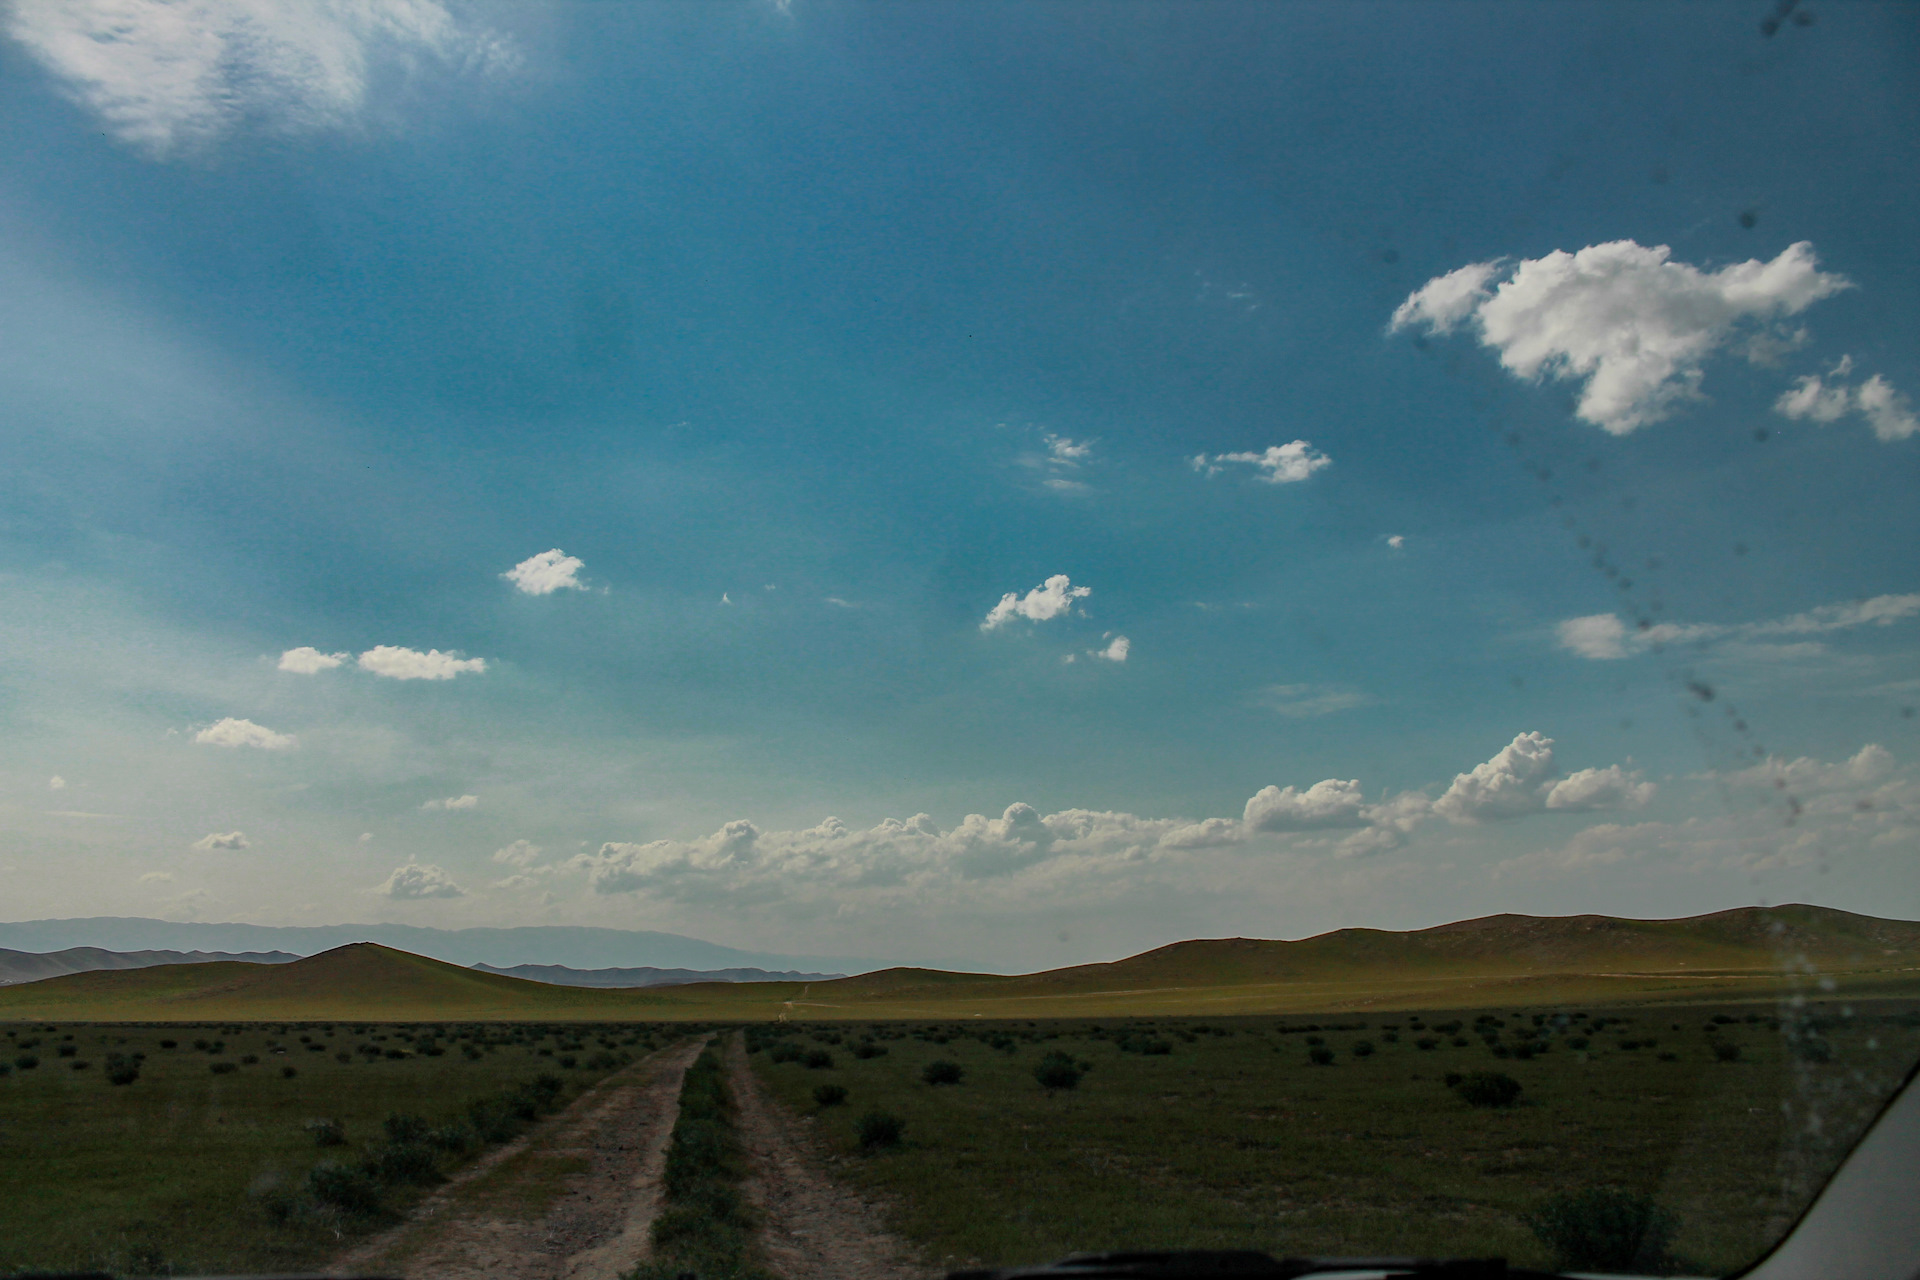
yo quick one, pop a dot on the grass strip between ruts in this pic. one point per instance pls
(705, 1225)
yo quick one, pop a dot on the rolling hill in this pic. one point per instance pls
(1749, 953)
(32, 966)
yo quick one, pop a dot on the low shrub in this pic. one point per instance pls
(817, 1060)
(1320, 1056)
(1363, 1048)
(1426, 1042)
(1577, 1042)
(1726, 1051)
(1603, 1229)
(223, 1068)
(327, 1133)
(877, 1129)
(403, 1127)
(785, 1052)
(26, 1062)
(67, 1050)
(868, 1049)
(1058, 1071)
(402, 1163)
(169, 1044)
(1487, 1089)
(942, 1071)
(288, 1073)
(344, 1188)
(829, 1095)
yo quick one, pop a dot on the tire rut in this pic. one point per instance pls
(571, 1200)
(813, 1228)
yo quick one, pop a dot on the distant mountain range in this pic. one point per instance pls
(574, 947)
(561, 976)
(28, 966)
(1753, 954)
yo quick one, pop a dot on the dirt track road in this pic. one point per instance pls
(814, 1229)
(570, 1200)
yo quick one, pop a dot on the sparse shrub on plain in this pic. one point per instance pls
(223, 1068)
(868, 1049)
(1058, 1071)
(288, 1073)
(1363, 1048)
(785, 1052)
(1320, 1056)
(1426, 1042)
(879, 1129)
(327, 1133)
(1488, 1089)
(817, 1060)
(26, 1062)
(344, 1188)
(1459, 1042)
(1604, 1229)
(829, 1095)
(67, 1050)
(407, 1163)
(941, 1071)
(1577, 1042)
(404, 1127)
(1726, 1051)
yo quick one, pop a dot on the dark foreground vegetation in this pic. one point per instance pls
(229, 1147)
(1677, 1139)
(705, 1227)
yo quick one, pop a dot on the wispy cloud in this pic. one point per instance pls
(1304, 701)
(173, 76)
(452, 803)
(1828, 398)
(231, 840)
(1606, 636)
(307, 660)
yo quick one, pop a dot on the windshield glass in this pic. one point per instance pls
(1004, 628)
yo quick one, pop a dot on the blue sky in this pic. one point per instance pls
(1373, 371)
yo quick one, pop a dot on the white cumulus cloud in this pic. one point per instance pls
(233, 732)
(397, 663)
(307, 660)
(1868, 767)
(546, 573)
(1623, 319)
(1325, 804)
(1523, 778)
(233, 840)
(56, 783)
(1117, 651)
(521, 853)
(1826, 399)
(452, 802)
(171, 76)
(1049, 600)
(1287, 463)
(417, 880)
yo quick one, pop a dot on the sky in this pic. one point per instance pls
(994, 485)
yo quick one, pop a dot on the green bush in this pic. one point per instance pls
(327, 1133)
(223, 1068)
(343, 1188)
(402, 1127)
(817, 1060)
(942, 1071)
(1320, 1056)
(877, 1129)
(1058, 1071)
(868, 1049)
(829, 1095)
(1726, 1051)
(405, 1163)
(26, 1062)
(1603, 1229)
(1488, 1089)
(1363, 1048)
(1426, 1042)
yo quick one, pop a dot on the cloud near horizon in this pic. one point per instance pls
(900, 858)
(452, 803)
(417, 881)
(1633, 327)
(396, 663)
(233, 732)
(232, 840)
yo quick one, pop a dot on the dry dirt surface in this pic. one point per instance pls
(814, 1229)
(570, 1200)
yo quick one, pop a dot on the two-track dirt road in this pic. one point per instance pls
(573, 1199)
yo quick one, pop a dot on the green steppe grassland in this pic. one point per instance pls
(1720, 1065)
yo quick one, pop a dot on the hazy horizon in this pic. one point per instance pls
(999, 487)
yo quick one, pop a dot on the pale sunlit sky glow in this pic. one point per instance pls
(1002, 486)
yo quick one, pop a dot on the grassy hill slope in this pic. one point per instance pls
(1507, 959)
